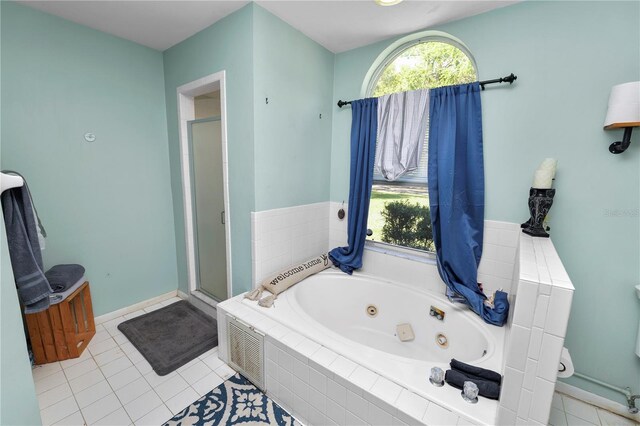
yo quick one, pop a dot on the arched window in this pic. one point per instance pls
(423, 64)
(398, 211)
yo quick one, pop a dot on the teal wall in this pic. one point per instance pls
(18, 403)
(268, 144)
(292, 143)
(106, 204)
(567, 55)
(116, 205)
(226, 45)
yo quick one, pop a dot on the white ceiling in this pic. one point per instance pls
(156, 24)
(344, 25)
(337, 25)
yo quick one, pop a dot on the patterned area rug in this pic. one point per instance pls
(236, 401)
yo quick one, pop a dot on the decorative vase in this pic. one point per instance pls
(528, 222)
(540, 201)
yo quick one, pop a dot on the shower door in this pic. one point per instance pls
(205, 143)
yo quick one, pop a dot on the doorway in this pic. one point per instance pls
(203, 146)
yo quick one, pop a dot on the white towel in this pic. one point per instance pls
(402, 129)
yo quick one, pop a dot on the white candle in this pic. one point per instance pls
(542, 179)
(549, 164)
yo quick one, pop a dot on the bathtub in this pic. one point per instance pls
(356, 316)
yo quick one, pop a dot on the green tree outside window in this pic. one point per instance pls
(399, 213)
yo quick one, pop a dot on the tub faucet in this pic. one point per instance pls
(437, 376)
(470, 392)
(438, 313)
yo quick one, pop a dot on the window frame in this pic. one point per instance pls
(378, 66)
(397, 250)
(371, 80)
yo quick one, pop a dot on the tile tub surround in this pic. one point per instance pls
(319, 386)
(370, 342)
(495, 272)
(337, 226)
(538, 318)
(536, 336)
(281, 237)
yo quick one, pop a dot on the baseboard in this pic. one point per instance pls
(140, 305)
(597, 400)
(199, 303)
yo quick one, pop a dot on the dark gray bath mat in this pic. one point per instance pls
(171, 336)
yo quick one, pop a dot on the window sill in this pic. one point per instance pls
(402, 252)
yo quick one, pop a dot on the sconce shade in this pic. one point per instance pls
(624, 106)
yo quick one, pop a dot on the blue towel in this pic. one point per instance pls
(487, 388)
(24, 249)
(481, 373)
(61, 277)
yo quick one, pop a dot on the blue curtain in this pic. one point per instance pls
(456, 194)
(364, 130)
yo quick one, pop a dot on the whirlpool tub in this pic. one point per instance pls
(357, 317)
(366, 311)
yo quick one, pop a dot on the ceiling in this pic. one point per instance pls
(344, 25)
(337, 25)
(156, 24)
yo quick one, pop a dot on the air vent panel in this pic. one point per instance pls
(246, 351)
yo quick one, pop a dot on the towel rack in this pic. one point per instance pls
(10, 181)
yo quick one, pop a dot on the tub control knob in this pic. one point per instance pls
(437, 376)
(436, 312)
(470, 392)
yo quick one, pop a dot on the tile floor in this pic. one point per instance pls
(566, 411)
(112, 384)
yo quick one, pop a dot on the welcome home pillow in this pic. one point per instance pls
(281, 281)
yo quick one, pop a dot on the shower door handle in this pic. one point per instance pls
(222, 217)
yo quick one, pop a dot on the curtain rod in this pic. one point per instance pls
(508, 79)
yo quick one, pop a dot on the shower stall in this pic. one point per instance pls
(209, 216)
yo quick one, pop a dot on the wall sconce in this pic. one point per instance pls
(623, 113)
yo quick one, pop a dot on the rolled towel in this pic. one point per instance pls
(487, 388)
(61, 277)
(480, 373)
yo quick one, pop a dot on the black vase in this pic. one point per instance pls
(540, 201)
(528, 222)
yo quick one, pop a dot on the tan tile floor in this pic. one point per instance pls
(567, 411)
(112, 384)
